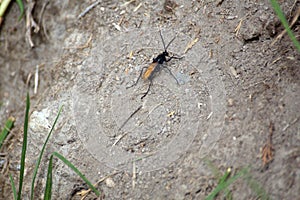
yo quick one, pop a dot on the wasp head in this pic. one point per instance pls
(165, 53)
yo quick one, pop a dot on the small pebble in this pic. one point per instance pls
(110, 183)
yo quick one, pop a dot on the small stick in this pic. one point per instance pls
(88, 9)
(119, 138)
(291, 25)
(36, 79)
(41, 21)
(137, 7)
(30, 23)
(84, 193)
(190, 45)
(139, 108)
(133, 175)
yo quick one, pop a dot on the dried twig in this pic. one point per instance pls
(88, 9)
(133, 175)
(238, 27)
(291, 25)
(191, 44)
(36, 79)
(132, 114)
(119, 137)
(42, 22)
(138, 7)
(289, 124)
(30, 23)
(84, 193)
(127, 3)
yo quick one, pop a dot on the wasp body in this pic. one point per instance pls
(156, 66)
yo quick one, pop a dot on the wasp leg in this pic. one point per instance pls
(174, 57)
(145, 94)
(165, 67)
(138, 78)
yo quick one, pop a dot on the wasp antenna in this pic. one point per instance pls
(170, 42)
(162, 39)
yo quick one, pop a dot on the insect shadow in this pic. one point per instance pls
(155, 67)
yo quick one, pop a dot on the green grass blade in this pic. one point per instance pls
(284, 22)
(3, 6)
(41, 154)
(76, 171)
(216, 172)
(218, 175)
(13, 186)
(48, 191)
(223, 179)
(21, 7)
(223, 185)
(257, 188)
(24, 146)
(225, 176)
(8, 125)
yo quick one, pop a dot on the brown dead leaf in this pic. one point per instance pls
(267, 151)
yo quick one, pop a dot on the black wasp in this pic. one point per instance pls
(156, 66)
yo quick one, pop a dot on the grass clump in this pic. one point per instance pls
(17, 194)
(228, 178)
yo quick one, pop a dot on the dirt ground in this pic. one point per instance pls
(238, 97)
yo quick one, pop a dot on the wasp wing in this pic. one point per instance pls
(149, 70)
